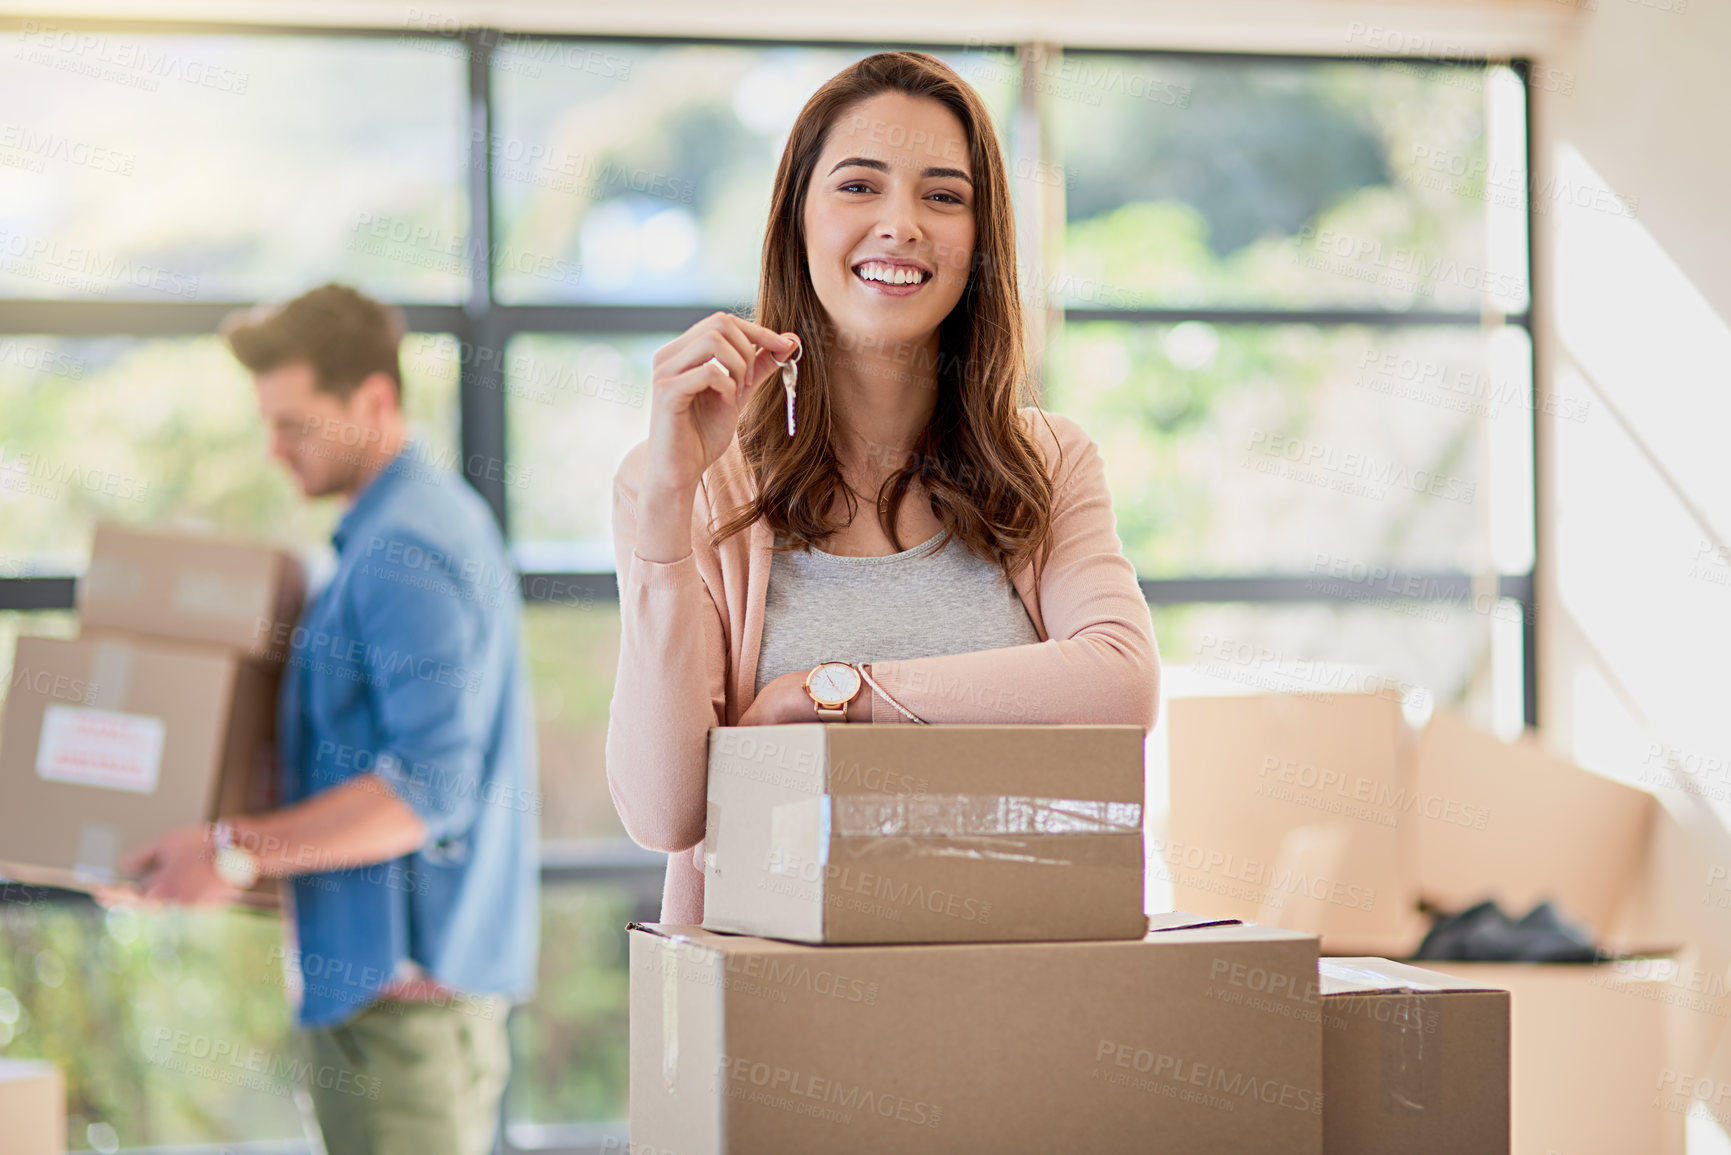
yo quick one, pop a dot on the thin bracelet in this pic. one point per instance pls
(884, 694)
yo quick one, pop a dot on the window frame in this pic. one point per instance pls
(482, 322)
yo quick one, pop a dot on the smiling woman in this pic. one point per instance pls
(889, 260)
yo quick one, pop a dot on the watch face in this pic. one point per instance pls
(834, 682)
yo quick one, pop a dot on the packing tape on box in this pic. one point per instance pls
(110, 676)
(670, 1024)
(224, 597)
(112, 580)
(1403, 1066)
(981, 827)
(97, 858)
(967, 815)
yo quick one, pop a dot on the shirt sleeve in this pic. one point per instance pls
(421, 629)
(1099, 664)
(670, 688)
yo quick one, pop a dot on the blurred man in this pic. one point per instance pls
(407, 755)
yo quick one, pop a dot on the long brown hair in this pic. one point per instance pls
(987, 482)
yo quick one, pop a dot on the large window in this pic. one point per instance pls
(1289, 298)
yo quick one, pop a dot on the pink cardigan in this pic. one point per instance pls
(691, 631)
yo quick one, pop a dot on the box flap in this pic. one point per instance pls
(1515, 823)
(1181, 920)
(1339, 976)
(23, 1070)
(718, 940)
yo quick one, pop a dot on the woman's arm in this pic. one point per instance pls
(671, 685)
(1100, 664)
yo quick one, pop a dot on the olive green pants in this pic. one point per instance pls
(404, 1078)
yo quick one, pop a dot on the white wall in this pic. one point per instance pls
(1636, 507)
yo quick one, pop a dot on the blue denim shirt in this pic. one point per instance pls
(408, 664)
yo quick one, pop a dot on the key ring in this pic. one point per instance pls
(790, 378)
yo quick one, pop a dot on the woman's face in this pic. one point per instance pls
(889, 219)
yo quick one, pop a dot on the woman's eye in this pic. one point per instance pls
(852, 186)
(948, 198)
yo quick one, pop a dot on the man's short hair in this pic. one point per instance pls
(344, 335)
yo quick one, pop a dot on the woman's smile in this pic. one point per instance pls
(892, 277)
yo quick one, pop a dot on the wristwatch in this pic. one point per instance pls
(234, 865)
(832, 685)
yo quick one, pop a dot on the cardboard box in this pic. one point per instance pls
(106, 744)
(32, 1108)
(1588, 1055)
(1552, 830)
(1169, 1042)
(1413, 1061)
(239, 595)
(1291, 809)
(853, 834)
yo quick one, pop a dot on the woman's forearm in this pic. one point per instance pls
(672, 662)
(1103, 677)
(664, 521)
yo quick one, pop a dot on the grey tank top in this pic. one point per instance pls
(919, 603)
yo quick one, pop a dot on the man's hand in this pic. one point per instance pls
(178, 867)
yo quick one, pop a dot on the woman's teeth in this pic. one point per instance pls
(889, 274)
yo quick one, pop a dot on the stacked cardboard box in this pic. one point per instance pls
(1293, 810)
(32, 1108)
(1559, 832)
(1170, 1041)
(1414, 1061)
(1318, 782)
(160, 714)
(855, 834)
(972, 970)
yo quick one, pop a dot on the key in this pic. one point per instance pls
(790, 381)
